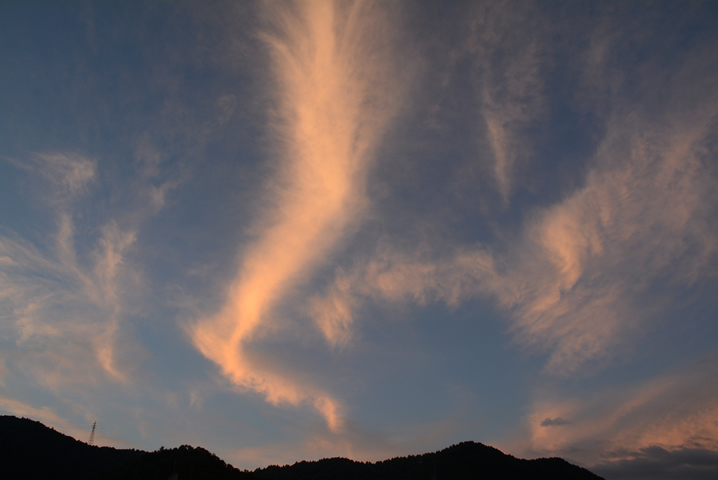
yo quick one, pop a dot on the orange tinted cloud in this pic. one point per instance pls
(572, 280)
(335, 93)
(672, 412)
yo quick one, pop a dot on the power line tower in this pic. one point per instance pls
(92, 435)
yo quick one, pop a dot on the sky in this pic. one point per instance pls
(300, 230)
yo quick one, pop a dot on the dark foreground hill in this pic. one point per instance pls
(30, 450)
(465, 461)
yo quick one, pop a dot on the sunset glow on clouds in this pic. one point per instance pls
(334, 100)
(294, 230)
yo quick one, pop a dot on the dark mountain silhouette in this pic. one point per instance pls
(30, 450)
(186, 462)
(465, 461)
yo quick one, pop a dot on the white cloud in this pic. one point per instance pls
(63, 315)
(64, 304)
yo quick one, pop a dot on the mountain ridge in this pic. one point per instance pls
(29, 449)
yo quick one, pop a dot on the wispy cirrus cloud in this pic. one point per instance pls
(69, 174)
(72, 173)
(574, 283)
(673, 412)
(511, 93)
(657, 463)
(68, 299)
(65, 301)
(335, 91)
(70, 310)
(44, 414)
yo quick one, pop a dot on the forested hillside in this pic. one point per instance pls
(30, 450)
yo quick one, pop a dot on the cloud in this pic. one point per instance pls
(661, 464)
(489, 66)
(69, 173)
(45, 415)
(335, 93)
(333, 315)
(50, 418)
(672, 413)
(67, 301)
(62, 312)
(511, 96)
(578, 282)
(153, 183)
(64, 303)
(555, 422)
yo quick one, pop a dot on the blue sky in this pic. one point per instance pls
(290, 231)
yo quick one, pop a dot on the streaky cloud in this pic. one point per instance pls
(335, 93)
(574, 283)
(44, 414)
(69, 300)
(657, 463)
(511, 97)
(72, 172)
(68, 173)
(69, 309)
(671, 412)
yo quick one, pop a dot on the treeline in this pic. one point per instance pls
(465, 461)
(30, 450)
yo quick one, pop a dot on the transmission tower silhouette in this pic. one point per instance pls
(92, 434)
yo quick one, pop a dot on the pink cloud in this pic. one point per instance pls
(335, 93)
